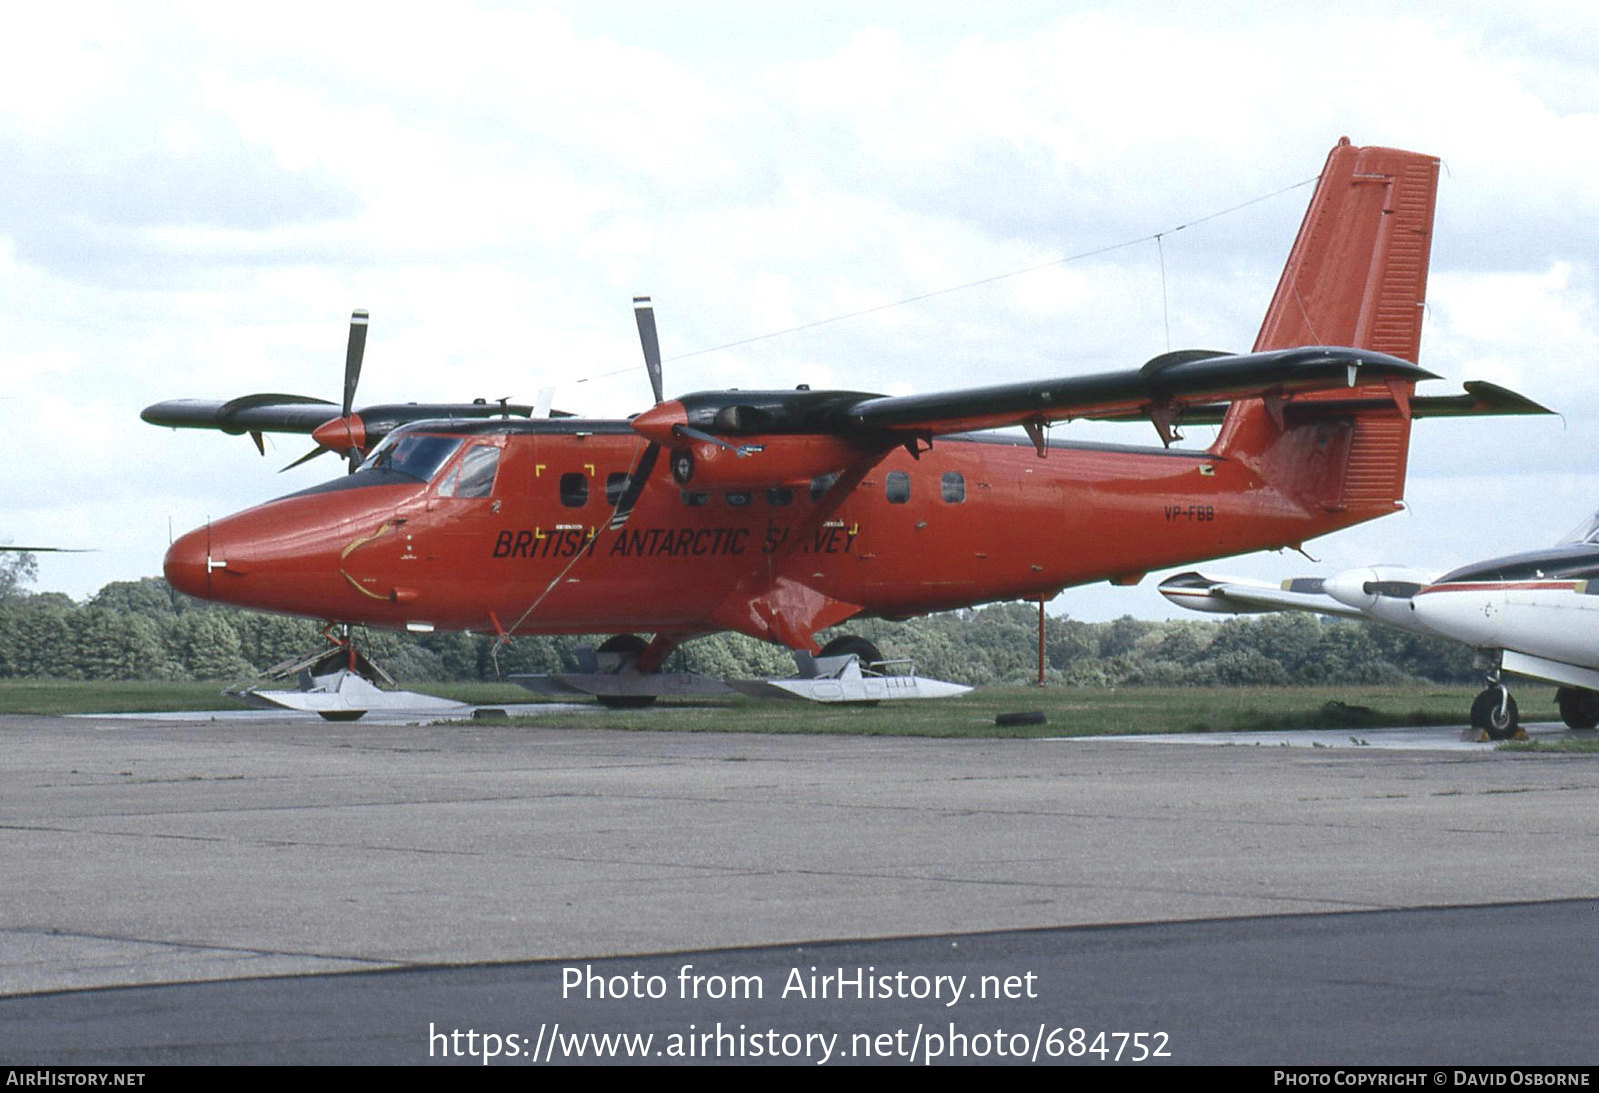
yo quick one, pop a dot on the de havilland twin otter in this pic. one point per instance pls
(781, 513)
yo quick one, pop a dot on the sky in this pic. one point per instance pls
(196, 196)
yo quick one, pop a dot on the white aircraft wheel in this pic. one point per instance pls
(1498, 719)
(1579, 707)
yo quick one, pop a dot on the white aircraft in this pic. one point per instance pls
(1534, 614)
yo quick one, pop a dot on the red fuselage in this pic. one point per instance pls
(970, 521)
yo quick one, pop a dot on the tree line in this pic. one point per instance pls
(144, 630)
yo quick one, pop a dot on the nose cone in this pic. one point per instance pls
(658, 421)
(186, 566)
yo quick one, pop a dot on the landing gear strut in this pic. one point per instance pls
(338, 684)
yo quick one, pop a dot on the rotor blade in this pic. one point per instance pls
(644, 313)
(352, 357)
(542, 404)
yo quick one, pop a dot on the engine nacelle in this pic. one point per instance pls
(756, 462)
(1382, 592)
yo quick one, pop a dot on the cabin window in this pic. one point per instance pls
(574, 490)
(952, 487)
(897, 486)
(821, 484)
(615, 487)
(737, 500)
(474, 475)
(694, 500)
(779, 496)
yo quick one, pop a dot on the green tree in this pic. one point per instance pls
(17, 568)
(268, 640)
(206, 644)
(147, 596)
(112, 645)
(36, 640)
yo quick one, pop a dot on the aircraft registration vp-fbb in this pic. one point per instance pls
(780, 513)
(1534, 614)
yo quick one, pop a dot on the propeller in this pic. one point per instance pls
(345, 433)
(352, 357)
(644, 315)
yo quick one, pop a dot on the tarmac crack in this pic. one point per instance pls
(189, 946)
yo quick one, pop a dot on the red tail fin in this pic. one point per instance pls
(1357, 277)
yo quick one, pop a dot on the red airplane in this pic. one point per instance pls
(781, 513)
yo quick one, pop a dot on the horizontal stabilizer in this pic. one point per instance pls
(1482, 399)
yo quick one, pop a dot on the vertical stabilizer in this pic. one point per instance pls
(1357, 275)
(1357, 278)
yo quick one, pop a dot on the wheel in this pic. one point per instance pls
(1498, 719)
(625, 702)
(1579, 707)
(629, 647)
(864, 650)
(341, 715)
(624, 644)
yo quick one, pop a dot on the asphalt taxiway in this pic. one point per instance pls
(139, 851)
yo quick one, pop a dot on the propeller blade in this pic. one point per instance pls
(306, 458)
(644, 313)
(635, 485)
(352, 358)
(740, 450)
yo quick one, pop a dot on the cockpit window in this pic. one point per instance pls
(412, 454)
(474, 475)
(1586, 532)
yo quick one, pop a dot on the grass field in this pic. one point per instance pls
(1069, 711)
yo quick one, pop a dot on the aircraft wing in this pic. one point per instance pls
(1165, 385)
(1381, 593)
(1235, 596)
(795, 436)
(273, 413)
(263, 413)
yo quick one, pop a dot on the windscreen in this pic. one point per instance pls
(1585, 532)
(414, 455)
